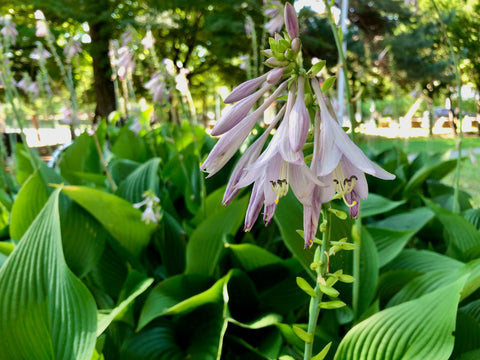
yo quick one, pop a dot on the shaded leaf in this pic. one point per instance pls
(376, 204)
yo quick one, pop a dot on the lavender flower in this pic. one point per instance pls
(231, 141)
(291, 21)
(344, 161)
(39, 55)
(41, 25)
(9, 30)
(125, 63)
(299, 119)
(152, 207)
(156, 87)
(72, 48)
(274, 12)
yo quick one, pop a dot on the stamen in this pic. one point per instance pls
(343, 185)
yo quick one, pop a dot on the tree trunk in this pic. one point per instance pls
(105, 93)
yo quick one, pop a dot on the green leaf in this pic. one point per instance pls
(206, 242)
(200, 337)
(334, 304)
(180, 294)
(414, 219)
(289, 219)
(144, 178)
(129, 146)
(435, 170)
(368, 275)
(322, 354)
(170, 241)
(464, 238)
(302, 334)
(376, 204)
(81, 157)
(418, 329)
(423, 261)
(306, 287)
(315, 69)
(83, 237)
(327, 84)
(252, 257)
(118, 216)
(467, 331)
(47, 312)
(389, 243)
(106, 317)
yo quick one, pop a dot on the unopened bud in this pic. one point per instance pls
(291, 21)
(268, 52)
(275, 75)
(275, 62)
(295, 44)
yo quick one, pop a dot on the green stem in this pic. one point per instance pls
(341, 55)
(320, 257)
(459, 91)
(356, 236)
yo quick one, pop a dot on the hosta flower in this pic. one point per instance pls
(41, 25)
(152, 207)
(156, 87)
(299, 122)
(291, 21)
(9, 30)
(40, 55)
(341, 159)
(231, 141)
(72, 48)
(125, 63)
(148, 41)
(273, 11)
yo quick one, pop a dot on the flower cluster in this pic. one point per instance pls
(337, 167)
(152, 213)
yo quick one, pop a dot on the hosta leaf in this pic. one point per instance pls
(80, 157)
(117, 215)
(376, 204)
(389, 243)
(206, 242)
(129, 146)
(464, 238)
(289, 219)
(252, 256)
(144, 178)
(141, 283)
(412, 220)
(418, 329)
(47, 312)
(423, 261)
(181, 293)
(368, 275)
(436, 171)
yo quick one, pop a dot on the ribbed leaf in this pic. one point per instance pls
(144, 178)
(473, 215)
(467, 332)
(196, 336)
(176, 292)
(46, 311)
(412, 220)
(463, 235)
(206, 242)
(423, 261)
(418, 329)
(30, 200)
(289, 219)
(368, 275)
(80, 157)
(129, 146)
(376, 204)
(436, 171)
(83, 237)
(389, 243)
(170, 240)
(141, 283)
(117, 215)
(252, 256)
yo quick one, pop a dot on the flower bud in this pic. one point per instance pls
(291, 21)
(295, 45)
(275, 62)
(275, 75)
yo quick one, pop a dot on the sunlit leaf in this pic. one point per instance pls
(46, 311)
(418, 329)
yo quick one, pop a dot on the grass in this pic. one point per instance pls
(470, 166)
